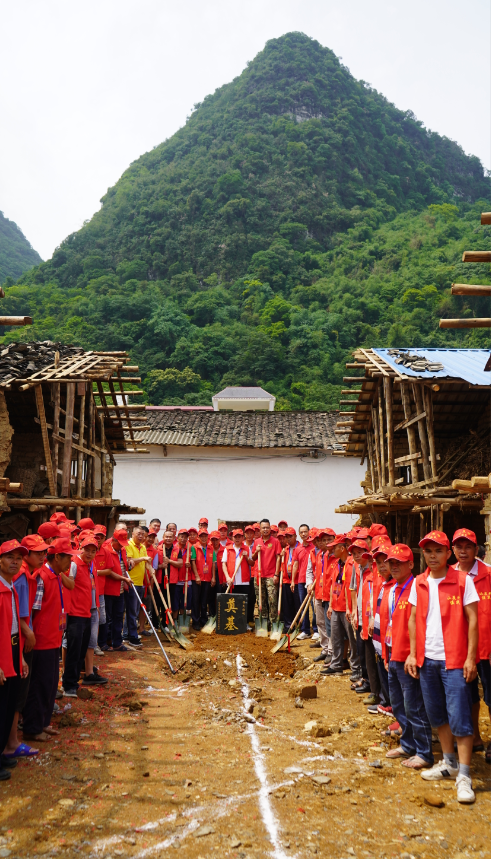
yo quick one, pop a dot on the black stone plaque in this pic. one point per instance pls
(232, 614)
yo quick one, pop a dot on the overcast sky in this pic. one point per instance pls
(89, 85)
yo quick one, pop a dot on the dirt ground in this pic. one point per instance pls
(153, 762)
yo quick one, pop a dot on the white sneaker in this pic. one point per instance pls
(464, 789)
(302, 636)
(98, 651)
(315, 636)
(439, 771)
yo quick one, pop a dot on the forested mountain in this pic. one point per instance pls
(16, 254)
(296, 215)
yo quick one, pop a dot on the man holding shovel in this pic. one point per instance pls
(270, 550)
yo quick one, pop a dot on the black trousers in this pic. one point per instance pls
(115, 605)
(251, 600)
(199, 591)
(38, 708)
(361, 650)
(212, 600)
(24, 683)
(8, 700)
(78, 637)
(372, 667)
(288, 605)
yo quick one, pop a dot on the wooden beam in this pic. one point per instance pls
(65, 502)
(485, 218)
(349, 402)
(412, 447)
(388, 397)
(112, 408)
(377, 448)
(465, 323)
(355, 366)
(80, 453)
(429, 419)
(417, 396)
(381, 433)
(354, 379)
(15, 320)
(476, 256)
(405, 424)
(38, 390)
(67, 449)
(410, 457)
(350, 391)
(469, 289)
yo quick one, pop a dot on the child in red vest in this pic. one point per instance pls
(83, 598)
(204, 569)
(12, 664)
(465, 550)
(49, 618)
(443, 629)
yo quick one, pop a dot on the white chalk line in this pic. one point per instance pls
(266, 809)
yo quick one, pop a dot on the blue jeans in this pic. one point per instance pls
(114, 619)
(132, 606)
(447, 697)
(383, 679)
(299, 596)
(408, 708)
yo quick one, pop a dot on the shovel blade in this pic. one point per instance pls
(295, 632)
(261, 632)
(209, 626)
(279, 644)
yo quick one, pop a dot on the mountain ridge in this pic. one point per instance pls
(16, 253)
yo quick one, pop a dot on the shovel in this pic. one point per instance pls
(261, 623)
(285, 638)
(278, 625)
(212, 621)
(183, 620)
(161, 625)
(174, 629)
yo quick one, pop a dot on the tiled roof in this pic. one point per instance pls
(242, 429)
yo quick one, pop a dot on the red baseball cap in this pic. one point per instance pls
(237, 532)
(291, 532)
(249, 528)
(358, 544)
(62, 546)
(399, 552)
(214, 535)
(12, 546)
(195, 530)
(48, 530)
(88, 541)
(328, 532)
(86, 524)
(274, 528)
(203, 520)
(352, 535)
(465, 534)
(340, 539)
(60, 517)
(121, 536)
(256, 526)
(435, 537)
(378, 530)
(381, 545)
(222, 527)
(34, 543)
(363, 533)
(183, 531)
(283, 522)
(100, 529)
(203, 531)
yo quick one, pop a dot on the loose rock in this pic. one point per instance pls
(204, 830)
(434, 801)
(304, 692)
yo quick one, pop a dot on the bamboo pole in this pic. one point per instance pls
(429, 419)
(371, 462)
(15, 320)
(464, 323)
(476, 256)
(388, 396)
(44, 434)
(412, 447)
(381, 433)
(424, 446)
(469, 289)
(80, 455)
(67, 449)
(56, 430)
(376, 446)
(485, 218)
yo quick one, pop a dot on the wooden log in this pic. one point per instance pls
(465, 323)
(388, 397)
(355, 366)
(64, 502)
(15, 320)
(462, 485)
(80, 454)
(133, 408)
(350, 391)
(371, 461)
(485, 218)
(413, 420)
(38, 390)
(409, 457)
(349, 402)
(381, 433)
(15, 487)
(412, 447)
(377, 448)
(352, 379)
(476, 256)
(55, 392)
(135, 379)
(418, 398)
(481, 482)
(429, 419)
(67, 449)
(469, 289)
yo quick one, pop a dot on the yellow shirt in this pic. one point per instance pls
(133, 551)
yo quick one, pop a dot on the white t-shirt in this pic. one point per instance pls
(434, 641)
(237, 579)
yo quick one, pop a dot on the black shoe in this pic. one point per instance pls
(8, 763)
(319, 658)
(135, 642)
(316, 644)
(4, 774)
(366, 687)
(94, 680)
(332, 671)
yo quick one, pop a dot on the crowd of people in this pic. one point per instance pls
(416, 643)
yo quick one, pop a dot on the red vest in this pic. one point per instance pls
(46, 621)
(102, 561)
(244, 568)
(288, 563)
(454, 623)
(482, 585)
(339, 592)
(81, 596)
(384, 616)
(331, 563)
(319, 573)
(112, 587)
(367, 600)
(174, 572)
(400, 638)
(31, 583)
(204, 567)
(6, 663)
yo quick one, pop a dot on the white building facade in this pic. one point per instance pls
(239, 467)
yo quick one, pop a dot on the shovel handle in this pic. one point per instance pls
(259, 581)
(306, 607)
(166, 608)
(305, 602)
(280, 592)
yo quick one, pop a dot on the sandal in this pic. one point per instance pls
(398, 753)
(40, 738)
(52, 731)
(22, 751)
(415, 763)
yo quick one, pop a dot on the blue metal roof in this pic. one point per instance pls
(466, 364)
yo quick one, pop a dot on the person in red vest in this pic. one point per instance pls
(338, 612)
(83, 598)
(49, 620)
(13, 666)
(232, 556)
(377, 628)
(320, 560)
(361, 589)
(49, 532)
(407, 702)
(288, 602)
(25, 584)
(166, 552)
(465, 550)
(216, 583)
(202, 578)
(300, 560)
(249, 539)
(443, 628)
(114, 586)
(270, 550)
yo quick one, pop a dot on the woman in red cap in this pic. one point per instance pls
(83, 598)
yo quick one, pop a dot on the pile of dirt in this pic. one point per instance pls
(214, 657)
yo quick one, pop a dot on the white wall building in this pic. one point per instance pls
(239, 467)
